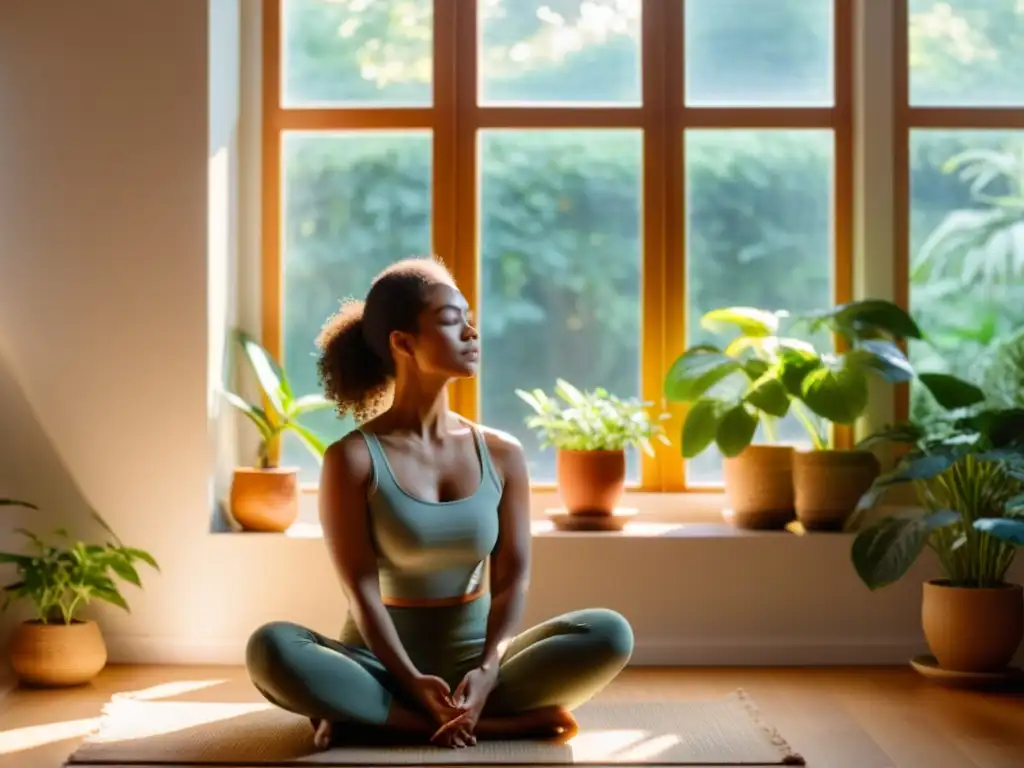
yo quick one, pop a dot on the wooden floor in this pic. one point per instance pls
(836, 718)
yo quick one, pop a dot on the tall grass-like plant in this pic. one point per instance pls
(965, 471)
(283, 410)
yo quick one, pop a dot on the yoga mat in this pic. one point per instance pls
(240, 731)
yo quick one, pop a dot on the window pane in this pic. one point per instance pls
(568, 51)
(353, 203)
(759, 234)
(759, 52)
(967, 259)
(560, 217)
(966, 52)
(374, 53)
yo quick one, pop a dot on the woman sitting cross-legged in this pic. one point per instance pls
(426, 517)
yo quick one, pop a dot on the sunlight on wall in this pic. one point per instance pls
(218, 273)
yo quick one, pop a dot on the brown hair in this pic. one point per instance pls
(355, 367)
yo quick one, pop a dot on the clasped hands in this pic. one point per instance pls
(457, 712)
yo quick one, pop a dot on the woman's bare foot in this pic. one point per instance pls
(550, 723)
(322, 734)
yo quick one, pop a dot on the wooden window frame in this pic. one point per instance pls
(454, 120)
(907, 119)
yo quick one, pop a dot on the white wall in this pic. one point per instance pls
(106, 355)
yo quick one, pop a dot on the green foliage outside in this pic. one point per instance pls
(560, 226)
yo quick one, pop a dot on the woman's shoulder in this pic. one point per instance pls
(505, 449)
(349, 456)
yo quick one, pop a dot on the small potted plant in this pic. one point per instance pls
(265, 497)
(968, 473)
(57, 647)
(730, 392)
(591, 431)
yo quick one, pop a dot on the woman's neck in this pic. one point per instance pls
(420, 407)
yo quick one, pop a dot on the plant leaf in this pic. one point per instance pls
(884, 552)
(867, 317)
(794, 367)
(884, 358)
(113, 597)
(919, 467)
(749, 320)
(838, 394)
(271, 377)
(139, 554)
(309, 404)
(699, 428)
(126, 571)
(951, 392)
(735, 430)
(769, 394)
(696, 371)
(254, 412)
(1011, 531)
(310, 439)
(16, 503)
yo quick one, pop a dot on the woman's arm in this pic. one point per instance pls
(510, 562)
(343, 516)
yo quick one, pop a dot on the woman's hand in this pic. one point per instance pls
(434, 695)
(470, 696)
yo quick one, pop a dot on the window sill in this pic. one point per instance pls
(543, 529)
(655, 515)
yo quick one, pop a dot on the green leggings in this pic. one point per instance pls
(563, 661)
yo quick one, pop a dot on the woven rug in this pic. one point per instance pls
(239, 730)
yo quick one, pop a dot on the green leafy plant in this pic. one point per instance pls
(979, 245)
(283, 409)
(592, 420)
(763, 373)
(968, 474)
(62, 579)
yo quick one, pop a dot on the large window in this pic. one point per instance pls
(597, 173)
(960, 190)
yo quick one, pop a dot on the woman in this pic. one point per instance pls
(418, 505)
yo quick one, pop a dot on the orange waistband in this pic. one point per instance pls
(433, 602)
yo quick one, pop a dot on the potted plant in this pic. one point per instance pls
(590, 431)
(763, 375)
(967, 472)
(829, 482)
(57, 647)
(265, 497)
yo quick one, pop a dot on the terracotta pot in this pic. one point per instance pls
(828, 485)
(591, 482)
(759, 486)
(265, 500)
(972, 630)
(57, 655)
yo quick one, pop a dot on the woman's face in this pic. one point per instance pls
(447, 344)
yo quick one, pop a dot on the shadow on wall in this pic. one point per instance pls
(31, 469)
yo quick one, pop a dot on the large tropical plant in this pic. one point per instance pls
(282, 410)
(62, 576)
(766, 372)
(981, 244)
(591, 420)
(968, 473)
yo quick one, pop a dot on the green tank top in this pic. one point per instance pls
(431, 550)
